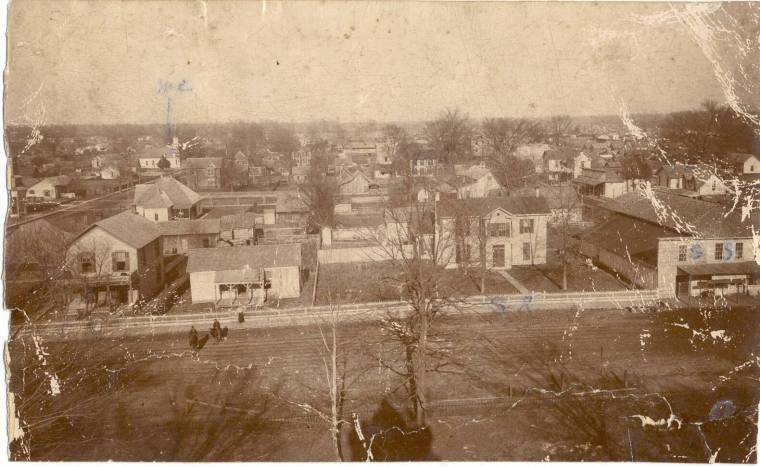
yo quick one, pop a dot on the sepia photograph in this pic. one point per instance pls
(341, 231)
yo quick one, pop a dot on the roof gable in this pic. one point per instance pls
(514, 205)
(128, 227)
(164, 193)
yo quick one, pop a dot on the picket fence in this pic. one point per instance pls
(274, 317)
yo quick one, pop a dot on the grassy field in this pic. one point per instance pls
(580, 277)
(138, 410)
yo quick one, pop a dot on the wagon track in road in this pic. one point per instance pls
(287, 364)
(294, 353)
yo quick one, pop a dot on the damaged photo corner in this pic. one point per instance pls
(381, 231)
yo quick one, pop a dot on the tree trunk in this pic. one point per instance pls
(484, 267)
(421, 369)
(564, 272)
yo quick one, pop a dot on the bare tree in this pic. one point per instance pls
(409, 243)
(395, 136)
(90, 262)
(472, 230)
(450, 135)
(318, 193)
(35, 267)
(505, 135)
(565, 217)
(558, 126)
(696, 135)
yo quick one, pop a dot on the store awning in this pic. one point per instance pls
(720, 269)
(583, 180)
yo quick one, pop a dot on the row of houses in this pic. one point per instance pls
(132, 256)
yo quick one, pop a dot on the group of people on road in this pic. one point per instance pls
(218, 332)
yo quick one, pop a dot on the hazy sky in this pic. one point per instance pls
(103, 62)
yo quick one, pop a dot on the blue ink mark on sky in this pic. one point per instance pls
(164, 87)
(169, 116)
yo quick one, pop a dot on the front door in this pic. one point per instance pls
(498, 256)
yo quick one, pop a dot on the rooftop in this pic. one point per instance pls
(240, 257)
(164, 193)
(684, 215)
(131, 228)
(482, 206)
(189, 227)
(201, 162)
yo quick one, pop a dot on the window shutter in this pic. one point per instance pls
(126, 260)
(114, 258)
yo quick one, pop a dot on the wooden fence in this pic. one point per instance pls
(274, 317)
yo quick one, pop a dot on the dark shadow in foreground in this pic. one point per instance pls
(391, 435)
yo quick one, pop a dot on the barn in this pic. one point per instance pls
(244, 275)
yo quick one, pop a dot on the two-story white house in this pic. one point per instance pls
(511, 231)
(565, 164)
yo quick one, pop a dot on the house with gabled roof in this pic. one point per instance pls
(245, 275)
(150, 157)
(474, 182)
(742, 163)
(166, 199)
(564, 164)
(601, 182)
(512, 230)
(48, 189)
(117, 260)
(203, 173)
(354, 182)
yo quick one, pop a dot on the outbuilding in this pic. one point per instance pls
(244, 275)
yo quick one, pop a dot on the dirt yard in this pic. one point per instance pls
(378, 281)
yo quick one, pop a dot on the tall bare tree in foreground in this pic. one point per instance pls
(408, 242)
(565, 217)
